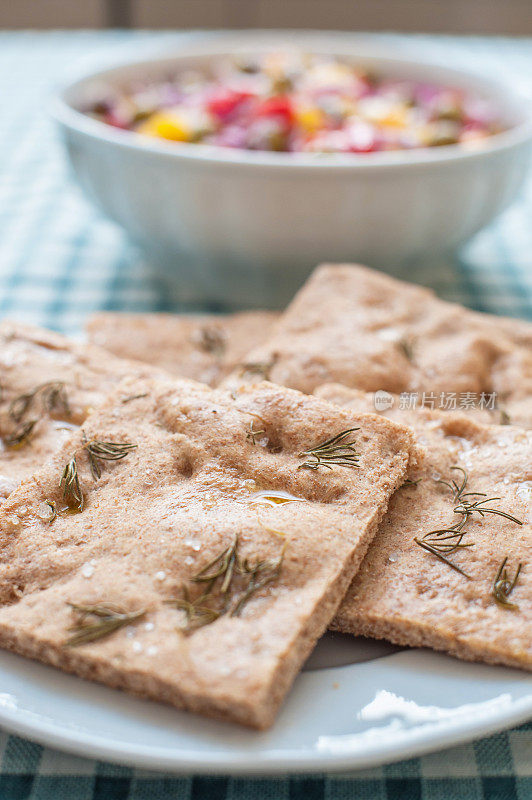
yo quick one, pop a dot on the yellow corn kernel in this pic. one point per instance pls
(165, 125)
(309, 118)
(395, 119)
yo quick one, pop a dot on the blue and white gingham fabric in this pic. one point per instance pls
(60, 260)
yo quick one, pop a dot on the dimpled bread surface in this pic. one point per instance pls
(363, 329)
(32, 357)
(407, 595)
(203, 348)
(161, 514)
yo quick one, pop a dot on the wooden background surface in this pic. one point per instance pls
(454, 16)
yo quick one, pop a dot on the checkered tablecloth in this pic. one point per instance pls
(60, 260)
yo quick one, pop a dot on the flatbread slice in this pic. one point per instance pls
(359, 327)
(397, 407)
(204, 348)
(405, 593)
(48, 386)
(189, 524)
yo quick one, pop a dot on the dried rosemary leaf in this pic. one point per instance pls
(133, 397)
(260, 574)
(260, 368)
(445, 541)
(106, 451)
(441, 557)
(52, 395)
(21, 434)
(467, 506)
(230, 581)
(503, 586)
(211, 339)
(69, 483)
(251, 433)
(406, 346)
(196, 615)
(337, 451)
(98, 621)
(221, 565)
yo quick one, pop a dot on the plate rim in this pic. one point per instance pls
(408, 743)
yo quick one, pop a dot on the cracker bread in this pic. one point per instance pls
(407, 595)
(204, 348)
(400, 410)
(356, 326)
(158, 516)
(31, 357)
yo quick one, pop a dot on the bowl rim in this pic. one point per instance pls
(212, 46)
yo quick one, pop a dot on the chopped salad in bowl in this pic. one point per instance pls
(237, 161)
(292, 102)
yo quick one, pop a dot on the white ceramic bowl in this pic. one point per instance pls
(245, 228)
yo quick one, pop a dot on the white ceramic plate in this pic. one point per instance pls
(357, 704)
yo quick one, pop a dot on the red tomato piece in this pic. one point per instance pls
(279, 106)
(117, 122)
(223, 102)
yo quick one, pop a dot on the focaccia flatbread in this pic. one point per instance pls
(405, 593)
(356, 326)
(48, 385)
(207, 510)
(204, 348)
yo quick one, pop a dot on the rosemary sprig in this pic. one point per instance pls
(447, 540)
(260, 368)
(505, 418)
(467, 506)
(222, 565)
(456, 488)
(98, 621)
(335, 451)
(133, 397)
(503, 586)
(97, 451)
(52, 395)
(105, 451)
(20, 434)
(260, 573)
(211, 339)
(226, 568)
(69, 483)
(196, 614)
(251, 433)
(406, 345)
(410, 482)
(441, 556)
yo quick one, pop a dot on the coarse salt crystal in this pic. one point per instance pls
(87, 570)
